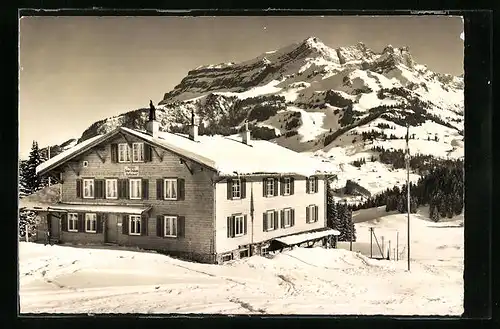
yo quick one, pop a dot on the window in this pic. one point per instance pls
(312, 214)
(111, 188)
(236, 188)
(135, 188)
(134, 225)
(123, 152)
(243, 253)
(312, 184)
(270, 220)
(287, 217)
(90, 223)
(270, 187)
(72, 223)
(227, 257)
(88, 188)
(239, 225)
(170, 189)
(287, 186)
(264, 250)
(170, 226)
(138, 152)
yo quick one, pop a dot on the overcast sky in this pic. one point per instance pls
(77, 70)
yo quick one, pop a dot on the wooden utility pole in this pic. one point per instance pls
(48, 157)
(408, 189)
(371, 242)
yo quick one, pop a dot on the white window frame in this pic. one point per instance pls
(285, 217)
(269, 187)
(169, 222)
(268, 213)
(176, 189)
(132, 219)
(116, 188)
(236, 188)
(287, 186)
(140, 153)
(139, 182)
(312, 184)
(73, 217)
(244, 250)
(239, 225)
(88, 180)
(312, 214)
(88, 218)
(127, 150)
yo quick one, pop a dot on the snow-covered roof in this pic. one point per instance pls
(302, 237)
(115, 209)
(67, 154)
(227, 155)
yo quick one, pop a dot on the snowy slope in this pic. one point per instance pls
(66, 279)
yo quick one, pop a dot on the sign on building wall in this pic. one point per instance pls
(131, 171)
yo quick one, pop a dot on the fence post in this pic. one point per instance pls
(389, 251)
(371, 242)
(397, 245)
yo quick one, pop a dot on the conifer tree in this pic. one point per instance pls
(31, 180)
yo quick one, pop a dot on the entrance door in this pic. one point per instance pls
(54, 226)
(112, 228)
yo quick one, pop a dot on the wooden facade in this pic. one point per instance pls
(191, 211)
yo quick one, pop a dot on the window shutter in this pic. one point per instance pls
(307, 214)
(264, 222)
(145, 189)
(282, 212)
(282, 186)
(79, 188)
(243, 188)
(125, 224)
(64, 222)
(181, 190)
(122, 193)
(114, 153)
(245, 224)
(159, 189)
(100, 188)
(315, 184)
(181, 225)
(276, 219)
(307, 185)
(229, 226)
(292, 214)
(264, 184)
(81, 223)
(315, 213)
(99, 222)
(229, 184)
(126, 188)
(144, 225)
(160, 226)
(292, 185)
(147, 153)
(276, 186)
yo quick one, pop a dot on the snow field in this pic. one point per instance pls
(301, 281)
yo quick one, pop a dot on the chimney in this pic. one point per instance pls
(193, 129)
(152, 126)
(246, 135)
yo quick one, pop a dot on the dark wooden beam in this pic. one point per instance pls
(126, 139)
(158, 154)
(187, 166)
(99, 155)
(73, 169)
